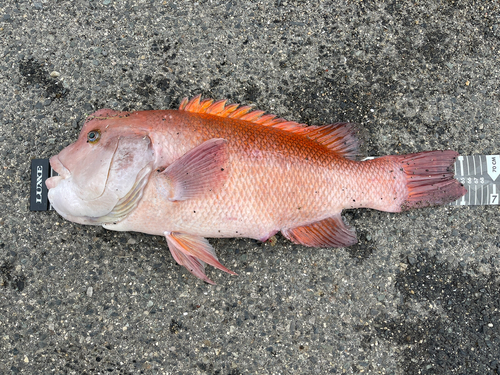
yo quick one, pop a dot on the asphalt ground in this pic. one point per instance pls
(418, 295)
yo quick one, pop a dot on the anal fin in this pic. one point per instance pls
(193, 252)
(330, 232)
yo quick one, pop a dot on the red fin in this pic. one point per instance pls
(193, 252)
(330, 232)
(234, 111)
(200, 170)
(430, 178)
(193, 265)
(340, 137)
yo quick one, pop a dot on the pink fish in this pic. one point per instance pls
(216, 170)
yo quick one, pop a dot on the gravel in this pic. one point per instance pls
(419, 294)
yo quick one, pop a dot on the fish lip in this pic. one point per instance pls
(61, 170)
(58, 167)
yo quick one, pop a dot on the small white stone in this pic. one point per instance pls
(90, 291)
(55, 74)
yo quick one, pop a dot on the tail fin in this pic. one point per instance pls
(430, 179)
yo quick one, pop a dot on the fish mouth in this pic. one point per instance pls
(60, 169)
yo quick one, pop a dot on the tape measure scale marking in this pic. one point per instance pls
(479, 174)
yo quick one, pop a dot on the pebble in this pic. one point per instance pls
(90, 291)
(54, 74)
(412, 260)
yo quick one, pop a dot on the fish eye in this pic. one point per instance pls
(93, 136)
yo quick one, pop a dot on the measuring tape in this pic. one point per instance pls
(478, 173)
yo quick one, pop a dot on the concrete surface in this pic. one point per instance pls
(418, 295)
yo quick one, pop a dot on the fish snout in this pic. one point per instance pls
(60, 169)
(57, 166)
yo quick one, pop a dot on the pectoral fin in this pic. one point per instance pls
(330, 232)
(193, 252)
(199, 171)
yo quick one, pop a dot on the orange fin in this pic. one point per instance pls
(193, 252)
(203, 169)
(330, 232)
(341, 138)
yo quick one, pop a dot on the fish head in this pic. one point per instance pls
(102, 174)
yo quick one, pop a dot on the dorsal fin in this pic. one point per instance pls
(340, 137)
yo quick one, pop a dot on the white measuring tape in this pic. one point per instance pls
(479, 174)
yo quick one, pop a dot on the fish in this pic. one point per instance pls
(216, 170)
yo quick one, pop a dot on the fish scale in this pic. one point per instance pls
(217, 170)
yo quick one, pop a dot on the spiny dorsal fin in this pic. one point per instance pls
(234, 111)
(340, 137)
